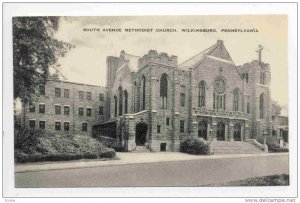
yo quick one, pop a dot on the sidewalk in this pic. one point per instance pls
(130, 158)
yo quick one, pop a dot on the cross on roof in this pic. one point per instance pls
(259, 51)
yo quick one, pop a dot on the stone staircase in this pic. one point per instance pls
(141, 149)
(236, 147)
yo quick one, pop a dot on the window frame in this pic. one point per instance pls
(57, 105)
(66, 107)
(89, 111)
(79, 114)
(42, 104)
(66, 129)
(40, 125)
(82, 127)
(57, 93)
(55, 124)
(68, 93)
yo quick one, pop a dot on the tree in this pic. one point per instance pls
(35, 51)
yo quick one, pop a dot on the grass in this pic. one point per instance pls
(274, 180)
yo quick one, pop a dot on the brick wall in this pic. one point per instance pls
(74, 102)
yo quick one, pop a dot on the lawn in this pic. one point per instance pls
(274, 180)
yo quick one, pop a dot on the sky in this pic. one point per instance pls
(86, 63)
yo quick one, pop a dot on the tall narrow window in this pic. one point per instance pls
(262, 78)
(248, 108)
(182, 99)
(181, 126)
(164, 91)
(143, 92)
(201, 101)
(261, 106)
(101, 110)
(116, 105)
(219, 94)
(236, 100)
(125, 102)
(120, 101)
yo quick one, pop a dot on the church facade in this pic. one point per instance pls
(155, 102)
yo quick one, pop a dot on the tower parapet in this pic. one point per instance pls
(161, 58)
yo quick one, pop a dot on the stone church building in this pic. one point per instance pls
(155, 102)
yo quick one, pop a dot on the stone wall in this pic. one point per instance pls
(74, 102)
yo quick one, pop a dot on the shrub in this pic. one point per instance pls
(272, 142)
(90, 155)
(37, 145)
(194, 146)
(108, 153)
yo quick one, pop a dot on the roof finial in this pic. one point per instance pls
(259, 51)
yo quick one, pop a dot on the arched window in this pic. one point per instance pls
(125, 102)
(219, 93)
(261, 106)
(262, 78)
(164, 91)
(116, 105)
(201, 101)
(120, 101)
(236, 100)
(143, 92)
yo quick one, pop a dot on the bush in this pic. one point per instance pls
(37, 145)
(273, 144)
(108, 153)
(194, 146)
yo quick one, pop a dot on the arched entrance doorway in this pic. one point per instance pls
(140, 134)
(237, 135)
(221, 131)
(202, 130)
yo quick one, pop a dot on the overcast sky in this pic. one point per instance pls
(86, 63)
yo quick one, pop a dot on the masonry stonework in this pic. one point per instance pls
(157, 102)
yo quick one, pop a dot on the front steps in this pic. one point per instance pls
(235, 147)
(141, 149)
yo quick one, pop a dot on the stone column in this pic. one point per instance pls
(214, 128)
(131, 134)
(195, 126)
(176, 132)
(231, 131)
(195, 129)
(247, 131)
(242, 133)
(154, 143)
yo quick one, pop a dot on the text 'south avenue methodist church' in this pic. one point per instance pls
(153, 101)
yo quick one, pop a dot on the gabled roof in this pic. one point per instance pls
(217, 50)
(131, 60)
